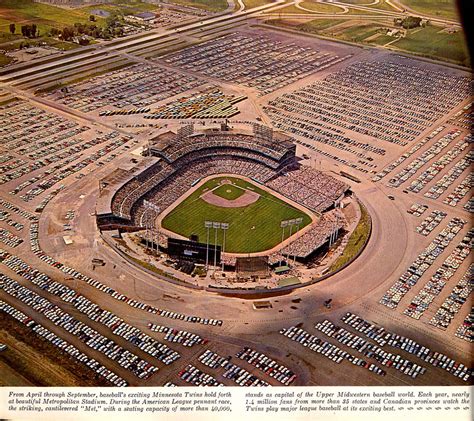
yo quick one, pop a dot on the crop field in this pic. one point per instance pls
(252, 228)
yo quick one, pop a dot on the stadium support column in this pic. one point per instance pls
(207, 225)
(216, 226)
(224, 227)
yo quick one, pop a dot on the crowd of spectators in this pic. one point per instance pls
(309, 187)
(314, 237)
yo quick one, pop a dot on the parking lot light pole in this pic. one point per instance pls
(224, 227)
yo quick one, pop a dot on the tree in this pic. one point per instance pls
(12, 28)
(92, 18)
(33, 30)
(411, 22)
(67, 33)
(26, 31)
(54, 32)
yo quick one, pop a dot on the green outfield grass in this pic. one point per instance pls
(252, 228)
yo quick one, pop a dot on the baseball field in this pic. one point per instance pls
(252, 228)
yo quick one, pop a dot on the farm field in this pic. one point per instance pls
(252, 228)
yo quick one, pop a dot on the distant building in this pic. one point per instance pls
(143, 17)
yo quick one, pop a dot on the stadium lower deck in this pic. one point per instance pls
(397, 126)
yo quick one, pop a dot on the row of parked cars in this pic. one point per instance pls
(93, 311)
(425, 259)
(254, 61)
(10, 239)
(265, 364)
(65, 171)
(461, 190)
(232, 371)
(4, 216)
(414, 166)
(197, 377)
(383, 337)
(417, 209)
(63, 345)
(454, 301)
(135, 86)
(330, 351)
(439, 279)
(370, 350)
(465, 331)
(178, 336)
(469, 206)
(25, 214)
(451, 176)
(387, 170)
(439, 165)
(35, 247)
(89, 336)
(430, 222)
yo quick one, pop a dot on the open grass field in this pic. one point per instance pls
(434, 43)
(209, 5)
(47, 16)
(250, 4)
(442, 8)
(321, 7)
(252, 228)
(23, 12)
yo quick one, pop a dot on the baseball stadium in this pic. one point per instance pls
(231, 198)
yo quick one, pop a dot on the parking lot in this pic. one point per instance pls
(400, 125)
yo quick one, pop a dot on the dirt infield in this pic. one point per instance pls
(246, 199)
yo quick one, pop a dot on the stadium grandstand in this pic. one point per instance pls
(174, 162)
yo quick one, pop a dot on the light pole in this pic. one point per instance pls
(224, 227)
(283, 225)
(298, 221)
(207, 225)
(216, 226)
(156, 209)
(291, 222)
